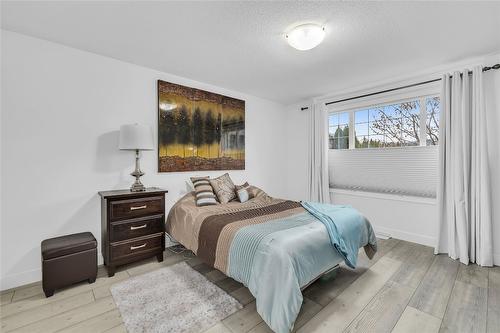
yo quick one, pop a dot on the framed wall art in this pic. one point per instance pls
(199, 130)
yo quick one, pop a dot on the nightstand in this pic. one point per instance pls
(132, 226)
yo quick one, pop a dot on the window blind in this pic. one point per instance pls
(405, 171)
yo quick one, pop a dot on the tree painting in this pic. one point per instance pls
(184, 128)
(199, 130)
(210, 130)
(198, 133)
(168, 128)
(218, 132)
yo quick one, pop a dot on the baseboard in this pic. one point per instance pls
(496, 259)
(406, 236)
(20, 279)
(419, 239)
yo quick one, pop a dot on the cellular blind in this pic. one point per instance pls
(406, 171)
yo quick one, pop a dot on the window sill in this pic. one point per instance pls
(385, 196)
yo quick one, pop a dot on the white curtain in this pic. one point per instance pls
(464, 197)
(318, 188)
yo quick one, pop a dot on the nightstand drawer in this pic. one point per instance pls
(130, 208)
(127, 229)
(125, 249)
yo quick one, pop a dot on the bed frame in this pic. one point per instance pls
(327, 275)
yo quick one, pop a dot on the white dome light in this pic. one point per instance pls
(305, 36)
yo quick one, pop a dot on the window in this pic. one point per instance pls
(412, 122)
(338, 124)
(372, 142)
(432, 121)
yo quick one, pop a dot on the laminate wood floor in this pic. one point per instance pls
(405, 288)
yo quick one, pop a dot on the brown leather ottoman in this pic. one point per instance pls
(67, 260)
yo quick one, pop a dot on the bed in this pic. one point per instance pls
(274, 247)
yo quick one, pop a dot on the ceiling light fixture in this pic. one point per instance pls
(305, 36)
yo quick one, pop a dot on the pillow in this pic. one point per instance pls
(204, 193)
(239, 187)
(224, 188)
(244, 194)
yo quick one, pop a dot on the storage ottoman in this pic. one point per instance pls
(67, 260)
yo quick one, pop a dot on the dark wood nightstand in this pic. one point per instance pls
(132, 226)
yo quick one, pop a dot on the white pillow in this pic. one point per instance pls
(243, 194)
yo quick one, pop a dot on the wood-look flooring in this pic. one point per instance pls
(405, 288)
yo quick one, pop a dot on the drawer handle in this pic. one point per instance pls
(139, 227)
(138, 207)
(138, 247)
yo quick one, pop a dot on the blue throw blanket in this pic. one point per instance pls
(343, 224)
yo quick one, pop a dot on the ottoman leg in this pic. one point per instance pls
(48, 293)
(92, 279)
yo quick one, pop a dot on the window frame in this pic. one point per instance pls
(419, 93)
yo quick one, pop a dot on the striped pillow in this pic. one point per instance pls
(204, 193)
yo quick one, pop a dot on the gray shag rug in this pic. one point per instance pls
(172, 299)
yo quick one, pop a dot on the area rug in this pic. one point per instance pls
(172, 299)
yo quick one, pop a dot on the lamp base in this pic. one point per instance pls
(137, 186)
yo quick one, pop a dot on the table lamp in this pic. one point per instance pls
(136, 137)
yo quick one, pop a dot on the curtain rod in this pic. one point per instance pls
(487, 68)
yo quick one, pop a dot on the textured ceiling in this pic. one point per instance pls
(240, 45)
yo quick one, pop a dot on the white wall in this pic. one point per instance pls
(61, 111)
(296, 151)
(402, 217)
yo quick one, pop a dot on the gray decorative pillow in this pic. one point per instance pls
(224, 188)
(204, 193)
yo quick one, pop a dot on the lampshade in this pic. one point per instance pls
(136, 137)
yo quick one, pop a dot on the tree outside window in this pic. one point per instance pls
(338, 131)
(393, 125)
